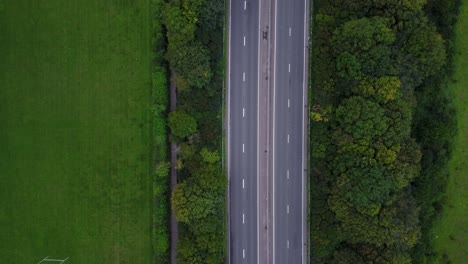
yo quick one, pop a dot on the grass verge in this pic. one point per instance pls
(450, 233)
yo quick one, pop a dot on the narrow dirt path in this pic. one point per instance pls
(174, 226)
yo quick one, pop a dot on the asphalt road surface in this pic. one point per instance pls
(242, 145)
(267, 75)
(288, 126)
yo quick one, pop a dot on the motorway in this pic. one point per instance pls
(242, 137)
(267, 117)
(288, 128)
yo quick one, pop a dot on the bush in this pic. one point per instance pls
(182, 124)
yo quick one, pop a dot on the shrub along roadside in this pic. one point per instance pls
(162, 166)
(195, 53)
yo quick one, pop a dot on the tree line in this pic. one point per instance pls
(370, 62)
(194, 34)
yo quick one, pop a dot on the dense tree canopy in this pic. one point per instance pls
(369, 58)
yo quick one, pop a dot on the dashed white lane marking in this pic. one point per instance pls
(288, 138)
(287, 208)
(243, 253)
(289, 31)
(244, 40)
(289, 67)
(289, 103)
(243, 148)
(245, 5)
(243, 184)
(243, 76)
(287, 243)
(243, 218)
(243, 112)
(287, 174)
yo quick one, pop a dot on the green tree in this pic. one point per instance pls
(382, 89)
(192, 63)
(361, 118)
(362, 48)
(181, 124)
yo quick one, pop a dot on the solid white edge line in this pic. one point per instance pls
(258, 130)
(228, 133)
(303, 128)
(273, 140)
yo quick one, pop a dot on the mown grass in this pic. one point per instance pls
(75, 131)
(450, 233)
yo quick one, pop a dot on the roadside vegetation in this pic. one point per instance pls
(382, 127)
(75, 139)
(194, 31)
(449, 234)
(161, 195)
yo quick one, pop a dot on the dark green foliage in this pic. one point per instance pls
(182, 124)
(369, 58)
(161, 175)
(195, 52)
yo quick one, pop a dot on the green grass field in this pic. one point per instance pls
(451, 232)
(75, 140)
